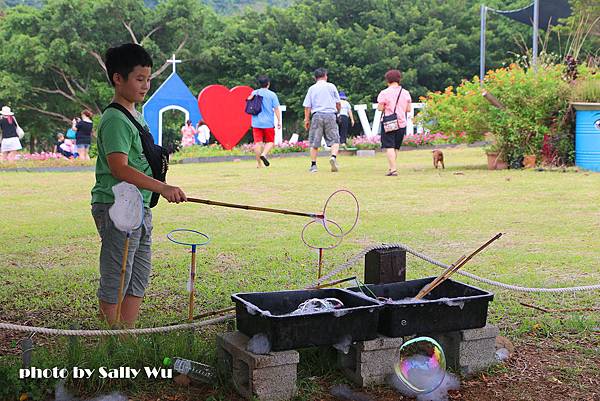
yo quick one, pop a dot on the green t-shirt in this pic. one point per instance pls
(117, 134)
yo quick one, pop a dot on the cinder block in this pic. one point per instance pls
(370, 362)
(379, 343)
(365, 153)
(489, 331)
(270, 377)
(469, 351)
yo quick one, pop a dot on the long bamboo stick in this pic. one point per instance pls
(457, 267)
(122, 278)
(426, 289)
(257, 208)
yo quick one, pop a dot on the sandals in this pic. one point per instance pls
(392, 174)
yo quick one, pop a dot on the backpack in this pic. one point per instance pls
(157, 156)
(254, 105)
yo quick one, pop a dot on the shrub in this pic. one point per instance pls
(535, 103)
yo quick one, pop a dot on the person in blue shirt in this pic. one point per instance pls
(263, 124)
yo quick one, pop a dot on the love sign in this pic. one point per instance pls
(223, 112)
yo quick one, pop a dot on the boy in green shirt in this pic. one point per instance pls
(121, 158)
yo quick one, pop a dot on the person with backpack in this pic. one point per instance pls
(263, 104)
(126, 152)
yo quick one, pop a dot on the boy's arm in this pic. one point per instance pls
(120, 169)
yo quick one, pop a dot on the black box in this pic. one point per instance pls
(451, 306)
(270, 313)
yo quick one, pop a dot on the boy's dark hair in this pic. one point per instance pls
(263, 81)
(123, 59)
(320, 73)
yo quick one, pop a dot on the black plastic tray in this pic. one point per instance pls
(269, 313)
(451, 306)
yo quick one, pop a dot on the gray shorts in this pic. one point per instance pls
(323, 125)
(139, 257)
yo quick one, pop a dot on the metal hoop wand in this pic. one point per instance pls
(191, 287)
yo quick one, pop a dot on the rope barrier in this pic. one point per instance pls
(91, 333)
(349, 263)
(353, 260)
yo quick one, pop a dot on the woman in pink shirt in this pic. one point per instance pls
(393, 99)
(188, 132)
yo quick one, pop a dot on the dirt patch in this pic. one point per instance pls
(554, 369)
(226, 261)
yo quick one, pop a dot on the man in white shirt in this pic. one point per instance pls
(321, 104)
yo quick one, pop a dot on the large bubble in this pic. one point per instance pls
(421, 366)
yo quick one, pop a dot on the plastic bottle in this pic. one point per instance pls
(196, 371)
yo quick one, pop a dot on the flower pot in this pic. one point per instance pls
(529, 161)
(495, 161)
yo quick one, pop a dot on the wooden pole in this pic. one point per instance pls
(192, 289)
(122, 278)
(257, 208)
(320, 263)
(454, 269)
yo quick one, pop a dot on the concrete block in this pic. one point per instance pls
(365, 153)
(469, 351)
(270, 377)
(370, 362)
(379, 343)
(489, 331)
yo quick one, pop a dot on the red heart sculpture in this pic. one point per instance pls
(223, 111)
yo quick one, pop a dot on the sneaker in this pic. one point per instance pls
(313, 169)
(265, 161)
(334, 165)
(392, 174)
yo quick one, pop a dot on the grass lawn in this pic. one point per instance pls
(49, 248)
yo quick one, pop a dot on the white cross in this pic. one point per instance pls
(173, 61)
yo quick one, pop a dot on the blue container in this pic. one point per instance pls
(587, 135)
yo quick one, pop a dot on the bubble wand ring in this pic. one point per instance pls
(327, 221)
(338, 237)
(192, 278)
(320, 248)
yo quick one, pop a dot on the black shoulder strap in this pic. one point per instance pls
(128, 115)
(397, 99)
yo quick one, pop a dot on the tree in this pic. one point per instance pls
(53, 56)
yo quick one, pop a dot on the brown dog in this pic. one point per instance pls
(438, 157)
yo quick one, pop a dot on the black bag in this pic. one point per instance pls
(254, 105)
(157, 156)
(390, 122)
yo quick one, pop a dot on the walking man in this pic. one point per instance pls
(263, 124)
(321, 104)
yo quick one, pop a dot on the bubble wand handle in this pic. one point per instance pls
(192, 286)
(122, 278)
(257, 208)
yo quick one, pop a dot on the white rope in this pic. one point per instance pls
(89, 333)
(353, 260)
(349, 263)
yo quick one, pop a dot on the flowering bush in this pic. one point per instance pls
(365, 142)
(39, 156)
(426, 139)
(284, 147)
(535, 103)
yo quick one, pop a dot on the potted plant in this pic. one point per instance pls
(493, 151)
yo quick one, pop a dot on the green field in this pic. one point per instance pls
(49, 245)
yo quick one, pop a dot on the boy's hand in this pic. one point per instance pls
(173, 194)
